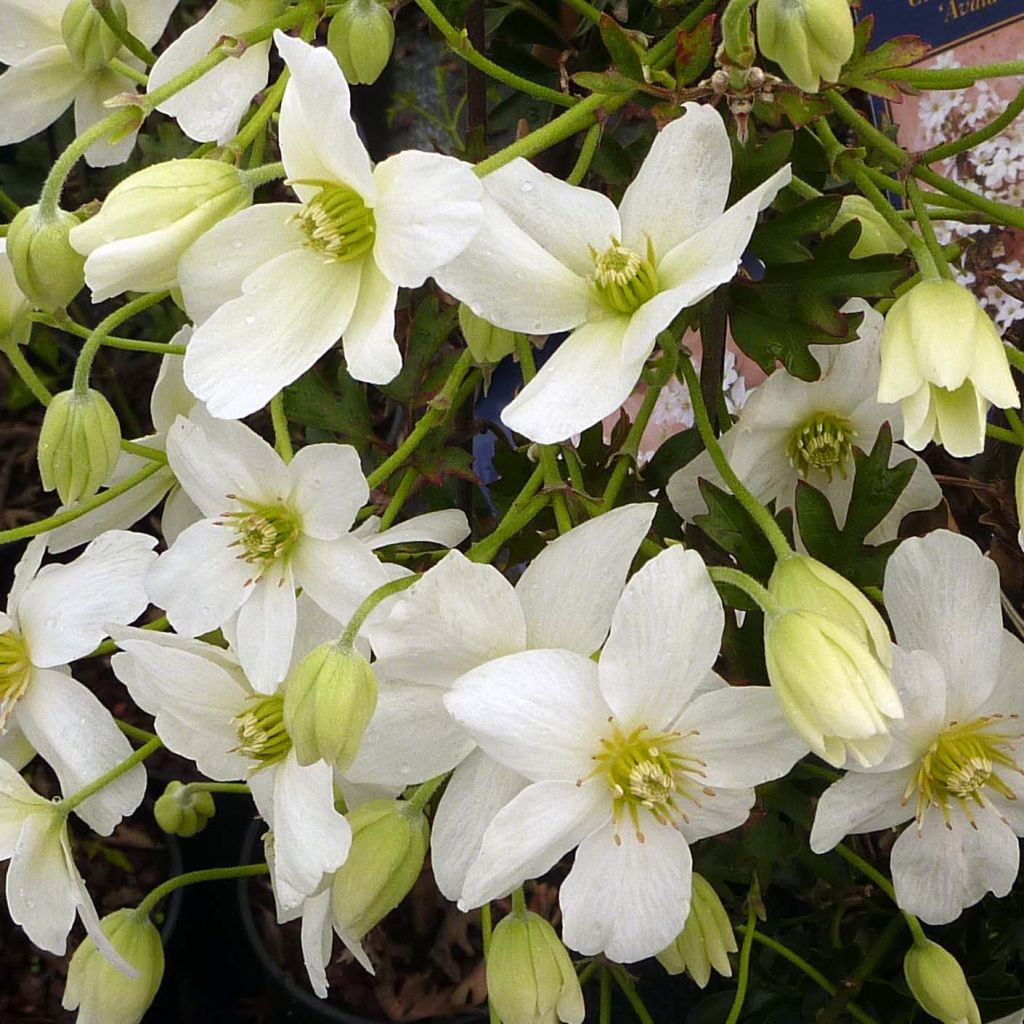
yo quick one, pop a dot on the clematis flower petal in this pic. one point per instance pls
(317, 939)
(35, 92)
(337, 574)
(860, 802)
(327, 483)
(96, 88)
(371, 352)
(265, 629)
(446, 527)
(27, 26)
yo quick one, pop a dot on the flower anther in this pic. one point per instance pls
(623, 279)
(265, 533)
(337, 222)
(825, 442)
(15, 672)
(261, 732)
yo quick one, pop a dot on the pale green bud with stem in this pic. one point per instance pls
(48, 270)
(100, 992)
(810, 40)
(530, 976)
(79, 444)
(877, 238)
(706, 940)
(361, 36)
(88, 38)
(329, 699)
(489, 344)
(15, 310)
(182, 810)
(938, 984)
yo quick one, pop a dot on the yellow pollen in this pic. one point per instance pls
(15, 672)
(265, 533)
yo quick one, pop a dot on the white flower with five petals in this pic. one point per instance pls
(629, 759)
(554, 257)
(272, 288)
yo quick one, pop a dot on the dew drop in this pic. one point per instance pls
(526, 187)
(250, 319)
(237, 243)
(405, 769)
(51, 622)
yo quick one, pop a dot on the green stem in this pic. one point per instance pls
(460, 43)
(606, 995)
(1014, 355)
(518, 900)
(761, 516)
(261, 118)
(587, 151)
(972, 139)
(127, 71)
(151, 454)
(134, 732)
(803, 189)
(741, 581)
(743, 977)
(867, 869)
(952, 78)
(120, 30)
(109, 647)
(625, 983)
(24, 370)
(400, 497)
(348, 638)
(487, 930)
(1001, 434)
(1016, 426)
(419, 800)
(69, 326)
(439, 408)
(146, 907)
(71, 514)
(92, 344)
(845, 993)
(1009, 215)
(924, 222)
(257, 176)
(585, 9)
(523, 509)
(866, 130)
(69, 803)
(737, 35)
(237, 788)
(282, 438)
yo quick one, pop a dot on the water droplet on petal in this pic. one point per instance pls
(250, 319)
(526, 187)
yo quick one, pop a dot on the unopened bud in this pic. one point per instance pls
(530, 977)
(79, 444)
(487, 343)
(47, 269)
(183, 811)
(361, 36)
(88, 38)
(329, 700)
(99, 991)
(15, 311)
(706, 940)
(876, 236)
(938, 984)
(809, 39)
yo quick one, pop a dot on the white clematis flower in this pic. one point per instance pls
(207, 710)
(54, 615)
(170, 399)
(630, 759)
(268, 528)
(791, 430)
(210, 110)
(461, 615)
(954, 767)
(554, 257)
(272, 288)
(44, 79)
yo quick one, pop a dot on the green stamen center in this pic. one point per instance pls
(265, 533)
(15, 672)
(623, 279)
(337, 222)
(962, 763)
(824, 442)
(648, 771)
(261, 732)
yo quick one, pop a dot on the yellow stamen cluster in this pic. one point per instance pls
(648, 771)
(15, 672)
(265, 533)
(337, 222)
(824, 442)
(261, 732)
(623, 279)
(962, 763)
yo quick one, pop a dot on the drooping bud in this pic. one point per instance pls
(943, 361)
(389, 844)
(46, 267)
(150, 219)
(489, 344)
(876, 236)
(15, 310)
(79, 444)
(530, 977)
(88, 38)
(938, 984)
(183, 811)
(809, 39)
(828, 654)
(361, 36)
(99, 991)
(706, 940)
(329, 700)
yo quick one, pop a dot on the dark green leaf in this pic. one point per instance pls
(778, 240)
(621, 48)
(694, 51)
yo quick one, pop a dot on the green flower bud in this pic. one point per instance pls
(809, 39)
(183, 811)
(706, 940)
(89, 40)
(876, 236)
(1018, 493)
(329, 700)
(15, 310)
(938, 984)
(530, 978)
(47, 269)
(99, 991)
(389, 843)
(79, 444)
(489, 344)
(361, 36)
(148, 221)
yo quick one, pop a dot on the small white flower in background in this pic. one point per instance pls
(15, 310)
(791, 430)
(554, 257)
(210, 110)
(207, 710)
(272, 288)
(45, 77)
(56, 614)
(170, 398)
(943, 361)
(955, 763)
(630, 759)
(268, 528)
(461, 615)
